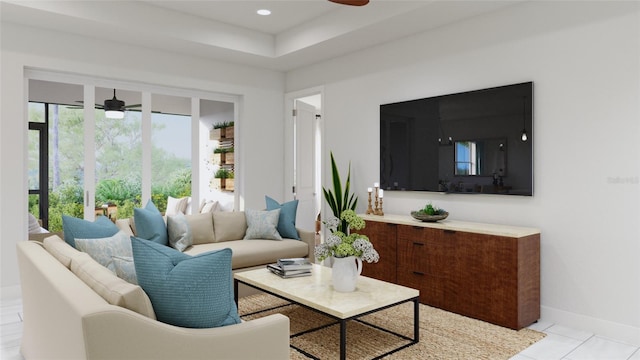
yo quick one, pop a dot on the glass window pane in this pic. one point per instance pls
(171, 149)
(118, 157)
(66, 163)
(34, 160)
(36, 112)
(34, 205)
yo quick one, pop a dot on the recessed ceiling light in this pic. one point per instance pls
(264, 12)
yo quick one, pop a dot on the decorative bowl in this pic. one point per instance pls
(418, 215)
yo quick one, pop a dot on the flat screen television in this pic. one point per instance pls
(471, 142)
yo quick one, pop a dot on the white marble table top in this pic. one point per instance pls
(316, 291)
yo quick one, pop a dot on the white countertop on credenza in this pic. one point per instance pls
(456, 225)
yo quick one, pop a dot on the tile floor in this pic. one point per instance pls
(560, 342)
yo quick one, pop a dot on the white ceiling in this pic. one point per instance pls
(297, 33)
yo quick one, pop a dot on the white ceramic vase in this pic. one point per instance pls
(345, 272)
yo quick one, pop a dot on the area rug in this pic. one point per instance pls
(443, 335)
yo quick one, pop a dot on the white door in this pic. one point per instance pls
(304, 161)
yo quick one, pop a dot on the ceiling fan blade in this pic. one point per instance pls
(98, 106)
(82, 102)
(351, 2)
(133, 106)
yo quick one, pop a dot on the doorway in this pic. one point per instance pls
(303, 160)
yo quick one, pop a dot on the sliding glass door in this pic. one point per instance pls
(83, 163)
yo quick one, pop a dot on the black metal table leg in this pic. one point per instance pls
(343, 339)
(416, 320)
(235, 291)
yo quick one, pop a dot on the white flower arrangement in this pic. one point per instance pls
(339, 244)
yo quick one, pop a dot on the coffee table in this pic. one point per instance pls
(316, 293)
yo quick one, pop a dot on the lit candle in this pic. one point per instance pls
(376, 184)
(369, 190)
(381, 193)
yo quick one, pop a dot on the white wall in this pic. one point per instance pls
(584, 60)
(212, 112)
(261, 111)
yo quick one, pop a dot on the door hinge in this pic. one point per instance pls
(293, 189)
(294, 112)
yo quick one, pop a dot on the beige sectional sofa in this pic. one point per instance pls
(75, 308)
(65, 318)
(222, 229)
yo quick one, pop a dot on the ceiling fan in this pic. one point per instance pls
(351, 2)
(114, 108)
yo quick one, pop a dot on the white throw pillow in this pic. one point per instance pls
(103, 250)
(262, 224)
(179, 232)
(34, 226)
(209, 206)
(189, 209)
(125, 269)
(175, 206)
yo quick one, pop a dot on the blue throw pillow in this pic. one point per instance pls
(287, 220)
(75, 228)
(187, 291)
(150, 224)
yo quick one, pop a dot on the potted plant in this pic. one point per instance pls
(222, 130)
(348, 250)
(430, 213)
(223, 179)
(223, 156)
(340, 201)
(340, 244)
(229, 130)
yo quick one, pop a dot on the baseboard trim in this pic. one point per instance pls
(603, 328)
(9, 293)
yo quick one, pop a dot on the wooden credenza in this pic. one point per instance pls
(484, 271)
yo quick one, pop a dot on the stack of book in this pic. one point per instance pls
(292, 267)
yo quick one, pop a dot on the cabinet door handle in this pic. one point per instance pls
(449, 231)
(418, 273)
(418, 244)
(417, 227)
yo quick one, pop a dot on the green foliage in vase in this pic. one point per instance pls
(338, 200)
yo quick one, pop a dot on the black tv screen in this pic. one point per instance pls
(471, 142)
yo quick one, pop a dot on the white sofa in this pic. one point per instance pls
(67, 316)
(64, 318)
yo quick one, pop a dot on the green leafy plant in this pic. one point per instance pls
(222, 125)
(223, 174)
(223, 150)
(338, 200)
(341, 244)
(430, 209)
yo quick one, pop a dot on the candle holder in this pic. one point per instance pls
(377, 200)
(375, 209)
(369, 208)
